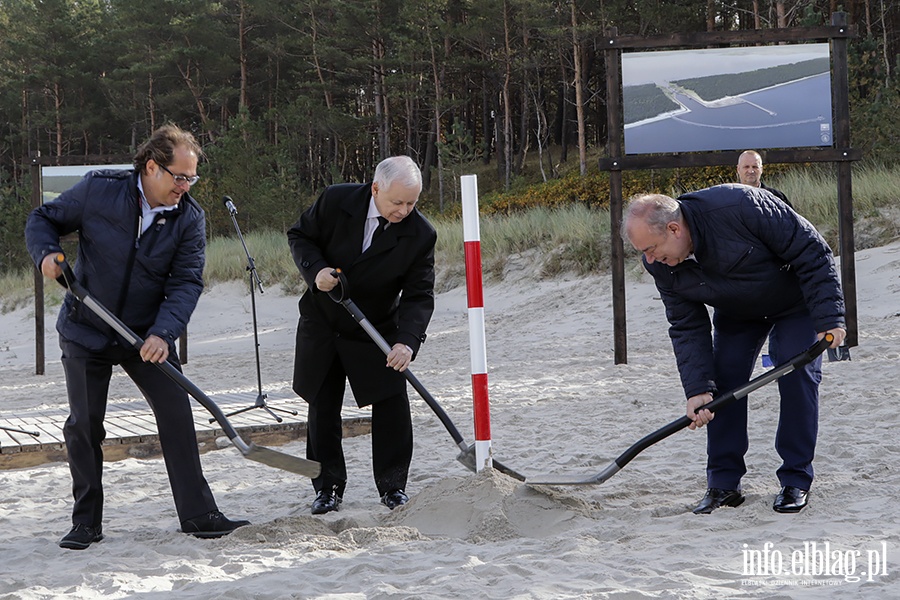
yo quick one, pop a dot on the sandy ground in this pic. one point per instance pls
(559, 405)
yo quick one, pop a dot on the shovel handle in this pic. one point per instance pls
(67, 274)
(345, 286)
(343, 298)
(807, 356)
(719, 402)
(67, 280)
(267, 456)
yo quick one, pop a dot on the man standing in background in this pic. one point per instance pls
(750, 169)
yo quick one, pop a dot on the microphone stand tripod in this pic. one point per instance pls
(254, 278)
(14, 430)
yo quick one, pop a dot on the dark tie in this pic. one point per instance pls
(382, 223)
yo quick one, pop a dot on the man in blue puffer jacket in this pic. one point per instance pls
(761, 267)
(141, 251)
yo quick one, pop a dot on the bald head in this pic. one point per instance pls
(750, 168)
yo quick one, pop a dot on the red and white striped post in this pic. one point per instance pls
(477, 348)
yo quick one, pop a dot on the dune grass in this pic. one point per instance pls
(572, 238)
(876, 202)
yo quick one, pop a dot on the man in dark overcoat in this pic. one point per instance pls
(385, 247)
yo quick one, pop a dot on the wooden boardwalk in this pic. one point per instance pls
(131, 428)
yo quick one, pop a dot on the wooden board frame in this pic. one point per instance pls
(841, 154)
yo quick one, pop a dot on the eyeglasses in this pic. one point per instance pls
(181, 179)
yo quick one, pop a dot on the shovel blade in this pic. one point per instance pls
(582, 479)
(557, 479)
(467, 458)
(285, 462)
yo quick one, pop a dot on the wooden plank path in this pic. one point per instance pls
(131, 428)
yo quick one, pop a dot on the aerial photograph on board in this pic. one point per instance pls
(727, 98)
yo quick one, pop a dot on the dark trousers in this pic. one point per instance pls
(87, 380)
(392, 436)
(736, 345)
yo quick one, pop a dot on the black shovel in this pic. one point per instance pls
(267, 456)
(805, 357)
(467, 456)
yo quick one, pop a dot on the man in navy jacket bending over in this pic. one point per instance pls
(762, 268)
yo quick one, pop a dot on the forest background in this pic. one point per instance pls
(289, 96)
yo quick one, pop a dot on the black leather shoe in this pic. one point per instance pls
(791, 500)
(394, 498)
(81, 536)
(211, 525)
(326, 501)
(716, 498)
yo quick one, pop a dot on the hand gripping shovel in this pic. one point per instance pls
(805, 357)
(260, 454)
(467, 456)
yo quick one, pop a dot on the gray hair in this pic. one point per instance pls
(656, 210)
(400, 169)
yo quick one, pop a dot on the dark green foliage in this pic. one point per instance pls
(874, 102)
(288, 96)
(14, 208)
(260, 179)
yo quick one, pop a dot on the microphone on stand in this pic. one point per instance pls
(226, 200)
(254, 279)
(251, 267)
